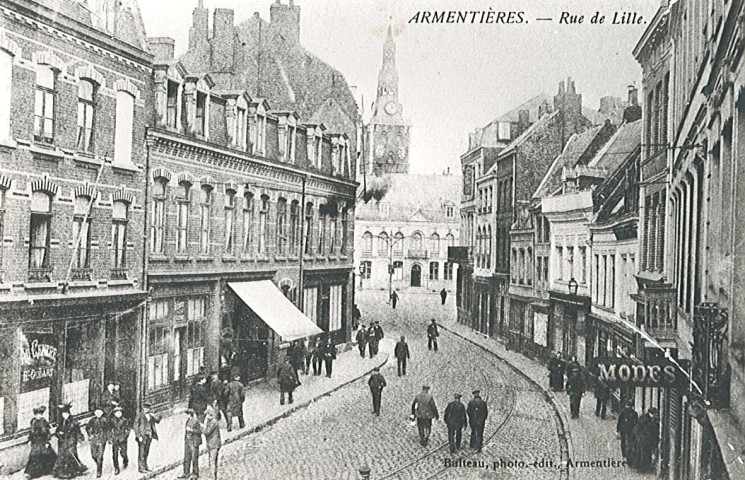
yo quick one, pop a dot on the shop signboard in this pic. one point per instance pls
(631, 372)
(38, 360)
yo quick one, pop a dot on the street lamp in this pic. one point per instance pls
(573, 286)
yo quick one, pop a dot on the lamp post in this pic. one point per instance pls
(573, 285)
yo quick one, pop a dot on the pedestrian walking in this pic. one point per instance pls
(329, 355)
(120, 428)
(432, 334)
(443, 295)
(575, 390)
(572, 367)
(378, 332)
(68, 435)
(98, 436)
(298, 359)
(192, 441)
(401, 352)
(456, 419)
(361, 338)
(41, 456)
(372, 340)
(111, 397)
(309, 355)
(199, 396)
(627, 419)
(376, 383)
(145, 432)
(646, 437)
(317, 358)
(214, 388)
(556, 368)
(236, 395)
(223, 399)
(424, 410)
(477, 412)
(288, 381)
(356, 317)
(211, 431)
(394, 299)
(602, 394)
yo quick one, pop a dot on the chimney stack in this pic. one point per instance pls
(161, 47)
(199, 31)
(633, 96)
(285, 20)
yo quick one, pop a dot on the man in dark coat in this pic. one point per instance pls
(329, 355)
(646, 439)
(401, 351)
(432, 334)
(372, 340)
(394, 299)
(211, 431)
(572, 367)
(361, 339)
(120, 428)
(556, 373)
(98, 436)
(111, 397)
(199, 396)
(287, 378)
(236, 395)
(378, 332)
(424, 410)
(456, 419)
(443, 295)
(376, 384)
(575, 390)
(214, 387)
(627, 419)
(477, 413)
(145, 432)
(192, 441)
(317, 358)
(602, 394)
(68, 434)
(298, 358)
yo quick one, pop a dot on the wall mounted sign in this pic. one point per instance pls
(626, 372)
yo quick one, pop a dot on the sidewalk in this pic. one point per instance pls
(261, 409)
(589, 437)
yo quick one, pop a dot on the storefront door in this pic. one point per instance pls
(180, 389)
(416, 276)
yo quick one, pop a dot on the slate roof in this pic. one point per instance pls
(624, 142)
(573, 151)
(412, 197)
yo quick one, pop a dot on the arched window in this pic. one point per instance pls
(86, 109)
(367, 243)
(229, 215)
(205, 225)
(450, 240)
(294, 226)
(248, 222)
(282, 226)
(434, 244)
(81, 232)
(398, 244)
(119, 218)
(263, 225)
(308, 228)
(182, 216)
(158, 218)
(416, 242)
(383, 244)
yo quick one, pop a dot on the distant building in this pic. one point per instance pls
(405, 223)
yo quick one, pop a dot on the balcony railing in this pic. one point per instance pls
(711, 369)
(118, 273)
(40, 274)
(657, 310)
(81, 274)
(418, 254)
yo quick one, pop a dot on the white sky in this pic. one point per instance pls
(453, 77)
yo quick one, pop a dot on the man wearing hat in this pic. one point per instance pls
(236, 394)
(145, 432)
(626, 422)
(432, 334)
(111, 397)
(120, 428)
(211, 431)
(424, 410)
(199, 396)
(98, 435)
(456, 419)
(477, 413)
(192, 441)
(68, 433)
(376, 383)
(646, 437)
(401, 352)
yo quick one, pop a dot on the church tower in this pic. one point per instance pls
(387, 135)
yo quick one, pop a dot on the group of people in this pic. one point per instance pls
(369, 338)
(194, 430)
(639, 436)
(575, 381)
(108, 426)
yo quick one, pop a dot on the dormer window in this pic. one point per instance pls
(172, 104)
(200, 125)
(240, 128)
(257, 126)
(504, 130)
(450, 211)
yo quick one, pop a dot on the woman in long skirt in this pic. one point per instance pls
(68, 432)
(41, 458)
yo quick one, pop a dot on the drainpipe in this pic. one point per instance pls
(143, 315)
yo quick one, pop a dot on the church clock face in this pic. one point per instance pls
(391, 108)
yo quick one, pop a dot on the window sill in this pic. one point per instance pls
(182, 258)
(262, 259)
(247, 258)
(124, 167)
(8, 143)
(321, 257)
(87, 159)
(158, 258)
(280, 258)
(343, 257)
(334, 258)
(229, 258)
(205, 258)
(48, 285)
(293, 258)
(47, 152)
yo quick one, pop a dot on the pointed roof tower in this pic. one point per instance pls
(388, 77)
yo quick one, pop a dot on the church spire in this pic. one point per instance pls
(388, 77)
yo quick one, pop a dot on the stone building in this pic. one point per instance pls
(74, 102)
(252, 202)
(405, 222)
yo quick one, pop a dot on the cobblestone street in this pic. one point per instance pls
(335, 436)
